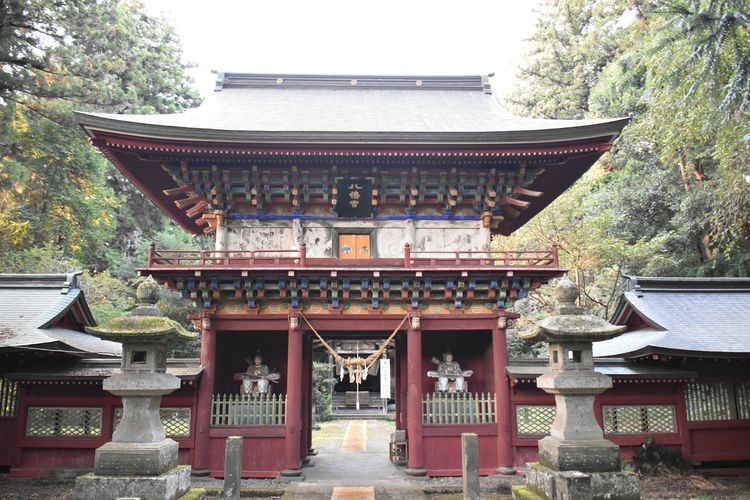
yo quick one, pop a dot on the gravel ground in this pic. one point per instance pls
(660, 487)
(372, 467)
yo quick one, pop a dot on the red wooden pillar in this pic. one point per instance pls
(403, 383)
(294, 401)
(415, 460)
(502, 395)
(205, 396)
(307, 377)
(400, 388)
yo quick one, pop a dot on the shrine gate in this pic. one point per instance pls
(357, 208)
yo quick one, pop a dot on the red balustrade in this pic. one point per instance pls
(296, 259)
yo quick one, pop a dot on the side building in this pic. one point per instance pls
(681, 373)
(53, 411)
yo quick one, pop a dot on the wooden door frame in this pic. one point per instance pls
(370, 231)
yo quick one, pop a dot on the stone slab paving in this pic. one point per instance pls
(353, 493)
(355, 436)
(370, 468)
(353, 460)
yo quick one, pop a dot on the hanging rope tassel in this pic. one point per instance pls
(356, 367)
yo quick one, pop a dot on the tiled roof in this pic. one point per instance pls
(98, 369)
(350, 109)
(687, 316)
(31, 305)
(616, 368)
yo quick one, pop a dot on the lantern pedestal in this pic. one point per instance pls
(575, 461)
(140, 461)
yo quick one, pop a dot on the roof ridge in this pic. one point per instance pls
(687, 284)
(63, 281)
(227, 80)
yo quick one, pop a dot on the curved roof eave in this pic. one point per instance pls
(631, 299)
(68, 302)
(122, 125)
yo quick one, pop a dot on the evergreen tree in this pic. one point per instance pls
(672, 198)
(65, 55)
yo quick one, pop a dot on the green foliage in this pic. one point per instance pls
(323, 385)
(63, 207)
(65, 55)
(573, 41)
(673, 196)
(653, 458)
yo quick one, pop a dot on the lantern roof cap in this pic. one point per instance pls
(571, 324)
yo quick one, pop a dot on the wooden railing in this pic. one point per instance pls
(232, 259)
(458, 408)
(246, 409)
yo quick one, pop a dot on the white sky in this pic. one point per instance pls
(407, 37)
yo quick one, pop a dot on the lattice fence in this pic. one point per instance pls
(534, 420)
(458, 408)
(639, 419)
(64, 421)
(709, 401)
(176, 421)
(8, 397)
(742, 396)
(246, 409)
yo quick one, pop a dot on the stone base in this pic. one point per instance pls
(415, 472)
(291, 475)
(506, 471)
(135, 459)
(598, 455)
(171, 485)
(545, 483)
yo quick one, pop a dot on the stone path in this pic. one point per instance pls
(352, 463)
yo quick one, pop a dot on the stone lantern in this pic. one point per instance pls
(575, 461)
(140, 461)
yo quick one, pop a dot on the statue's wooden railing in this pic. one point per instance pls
(459, 408)
(246, 409)
(293, 259)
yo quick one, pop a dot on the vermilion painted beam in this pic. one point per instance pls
(599, 144)
(527, 192)
(507, 200)
(511, 212)
(197, 209)
(186, 202)
(187, 188)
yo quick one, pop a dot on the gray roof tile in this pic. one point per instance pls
(97, 369)
(319, 105)
(617, 368)
(30, 305)
(688, 316)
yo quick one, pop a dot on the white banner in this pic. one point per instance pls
(385, 378)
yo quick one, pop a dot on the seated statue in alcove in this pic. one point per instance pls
(256, 379)
(449, 374)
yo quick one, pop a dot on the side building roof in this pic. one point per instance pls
(527, 370)
(47, 312)
(692, 317)
(96, 370)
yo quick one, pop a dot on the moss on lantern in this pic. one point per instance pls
(145, 323)
(140, 328)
